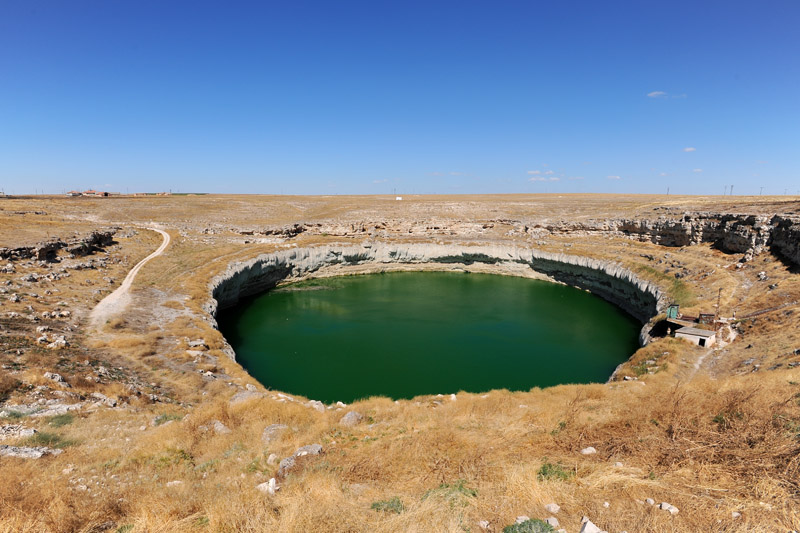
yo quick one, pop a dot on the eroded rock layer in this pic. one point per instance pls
(640, 298)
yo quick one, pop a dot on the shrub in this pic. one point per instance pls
(166, 417)
(43, 438)
(58, 421)
(553, 471)
(390, 506)
(455, 493)
(533, 525)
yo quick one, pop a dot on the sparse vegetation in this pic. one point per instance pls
(533, 525)
(553, 472)
(52, 440)
(393, 505)
(58, 421)
(163, 418)
(709, 439)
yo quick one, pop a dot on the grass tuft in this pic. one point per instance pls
(389, 506)
(533, 525)
(553, 471)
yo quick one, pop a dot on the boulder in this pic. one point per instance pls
(15, 431)
(102, 398)
(553, 508)
(219, 427)
(671, 509)
(588, 451)
(351, 419)
(243, 396)
(25, 452)
(272, 432)
(270, 487)
(316, 404)
(589, 527)
(292, 462)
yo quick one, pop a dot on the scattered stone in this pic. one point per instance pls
(762, 276)
(668, 507)
(351, 419)
(521, 519)
(553, 508)
(552, 520)
(650, 501)
(483, 524)
(272, 459)
(606, 505)
(251, 387)
(105, 400)
(272, 432)
(59, 343)
(588, 451)
(199, 343)
(25, 452)
(243, 396)
(220, 428)
(290, 463)
(53, 376)
(316, 404)
(15, 431)
(174, 483)
(589, 527)
(270, 487)
(736, 514)
(453, 397)
(618, 465)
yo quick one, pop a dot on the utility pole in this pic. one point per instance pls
(762, 190)
(726, 191)
(719, 298)
(731, 190)
(667, 191)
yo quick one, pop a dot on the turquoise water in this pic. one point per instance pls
(409, 333)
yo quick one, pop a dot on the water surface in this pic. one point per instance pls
(409, 333)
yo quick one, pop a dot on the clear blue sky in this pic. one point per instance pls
(337, 97)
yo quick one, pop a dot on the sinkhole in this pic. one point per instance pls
(404, 334)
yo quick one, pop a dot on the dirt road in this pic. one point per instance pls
(117, 301)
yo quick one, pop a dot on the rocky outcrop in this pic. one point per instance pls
(610, 281)
(786, 238)
(47, 251)
(747, 234)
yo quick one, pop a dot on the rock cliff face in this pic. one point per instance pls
(746, 234)
(786, 238)
(641, 299)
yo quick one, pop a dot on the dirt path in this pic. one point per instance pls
(117, 301)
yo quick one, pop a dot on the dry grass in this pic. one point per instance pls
(710, 439)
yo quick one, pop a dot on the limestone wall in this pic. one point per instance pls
(639, 298)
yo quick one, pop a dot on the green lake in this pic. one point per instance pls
(409, 333)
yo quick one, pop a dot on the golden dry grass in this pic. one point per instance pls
(709, 438)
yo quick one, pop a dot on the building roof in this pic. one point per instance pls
(697, 332)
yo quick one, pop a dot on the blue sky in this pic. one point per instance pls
(419, 97)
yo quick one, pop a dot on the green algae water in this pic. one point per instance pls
(409, 333)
